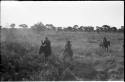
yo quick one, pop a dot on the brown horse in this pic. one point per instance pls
(105, 45)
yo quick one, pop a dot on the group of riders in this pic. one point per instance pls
(45, 48)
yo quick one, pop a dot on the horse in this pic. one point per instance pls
(45, 51)
(68, 53)
(68, 56)
(105, 45)
(42, 49)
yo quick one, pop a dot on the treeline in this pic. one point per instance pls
(38, 27)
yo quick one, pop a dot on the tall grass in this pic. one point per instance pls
(21, 61)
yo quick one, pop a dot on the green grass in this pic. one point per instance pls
(21, 61)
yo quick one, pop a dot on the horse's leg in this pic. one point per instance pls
(107, 49)
(44, 59)
(104, 48)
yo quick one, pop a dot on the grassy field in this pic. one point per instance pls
(21, 61)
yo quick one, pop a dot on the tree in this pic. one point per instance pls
(99, 29)
(64, 29)
(12, 25)
(106, 28)
(81, 28)
(23, 25)
(85, 28)
(69, 28)
(75, 27)
(59, 29)
(113, 29)
(50, 27)
(38, 27)
(121, 29)
(91, 29)
(88, 28)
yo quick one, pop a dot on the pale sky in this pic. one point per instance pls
(63, 13)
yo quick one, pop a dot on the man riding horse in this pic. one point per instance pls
(68, 53)
(105, 43)
(45, 48)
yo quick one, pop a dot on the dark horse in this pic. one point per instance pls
(45, 49)
(105, 45)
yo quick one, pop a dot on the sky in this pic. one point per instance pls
(63, 13)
